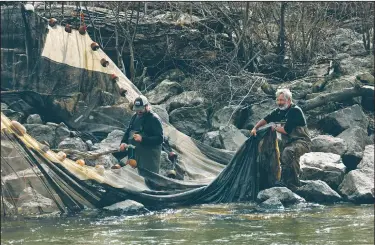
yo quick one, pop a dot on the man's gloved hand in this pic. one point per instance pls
(123, 147)
(137, 137)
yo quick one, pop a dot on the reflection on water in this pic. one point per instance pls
(204, 224)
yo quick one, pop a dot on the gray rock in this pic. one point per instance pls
(31, 202)
(173, 75)
(106, 160)
(112, 141)
(329, 144)
(127, 206)
(245, 132)
(353, 65)
(13, 115)
(283, 194)
(165, 90)
(367, 163)
(161, 112)
(233, 114)
(185, 99)
(318, 191)
(258, 112)
(34, 119)
(356, 139)
(73, 143)
(322, 166)
(42, 133)
(342, 38)
(340, 83)
(357, 49)
(90, 145)
(191, 121)
(212, 139)
(231, 137)
(272, 203)
(61, 132)
(336, 122)
(4, 106)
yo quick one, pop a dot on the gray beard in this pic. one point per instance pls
(283, 108)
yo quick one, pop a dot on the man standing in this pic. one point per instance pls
(294, 133)
(145, 132)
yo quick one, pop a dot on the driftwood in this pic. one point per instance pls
(345, 94)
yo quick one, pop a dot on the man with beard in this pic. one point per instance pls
(294, 134)
(145, 132)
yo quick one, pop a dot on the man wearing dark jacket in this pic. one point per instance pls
(145, 132)
(294, 134)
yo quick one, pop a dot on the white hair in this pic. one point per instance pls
(286, 92)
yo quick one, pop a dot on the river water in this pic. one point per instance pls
(204, 224)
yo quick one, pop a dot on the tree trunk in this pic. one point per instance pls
(281, 43)
(28, 39)
(345, 94)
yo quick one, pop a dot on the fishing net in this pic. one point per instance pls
(73, 83)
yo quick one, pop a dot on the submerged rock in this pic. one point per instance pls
(272, 203)
(31, 202)
(318, 191)
(127, 206)
(283, 194)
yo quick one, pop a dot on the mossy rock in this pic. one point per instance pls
(366, 78)
(319, 85)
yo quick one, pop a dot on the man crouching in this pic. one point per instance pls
(294, 134)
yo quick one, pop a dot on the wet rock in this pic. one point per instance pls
(272, 203)
(356, 139)
(329, 144)
(165, 90)
(34, 119)
(233, 114)
(258, 112)
(336, 122)
(327, 167)
(73, 143)
(191, 121)
(318, 191)
(127, 206)
(185, 99)
(173, 75)
(212, 139)
(231, 137)
(161, 112)
(283, 194)
(358, 185)
(42, 133)
(32, 202)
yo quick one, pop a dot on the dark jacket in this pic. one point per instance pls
(152, 130)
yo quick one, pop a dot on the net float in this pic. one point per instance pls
(80, 162)
(95, 46)
(61, 156)
(18, 128)
(82, 30)
(132, 163)
(52, 22)
(172, 156)
(100, 169)
(114, 78)
(104, 62)
(171, 174)
(68, 28)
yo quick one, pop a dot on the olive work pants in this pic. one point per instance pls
(290, 168)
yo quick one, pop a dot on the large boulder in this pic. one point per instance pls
(318, 191)
(42, 133)
(340, 83)
(112, 141)
(352, 65)
(165, 164)
(272, 203)
(329, 144)
(75, 143)
(358, 185)
(322, 166)
(127, 206)
(336, 122)
(212, 139)
(356, 139)
(357, 49)
(185, 99)
(232, 114)
(165, 90)
(283, 194)
(34, 119)
(161, 111)
(231, 137)
(13, 115)
(61, 132)
(191, 121)
(259, 111)
(32, 202)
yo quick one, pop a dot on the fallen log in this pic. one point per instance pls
(339, 96)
